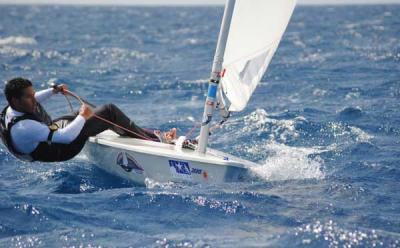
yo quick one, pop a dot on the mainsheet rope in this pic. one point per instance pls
(101, 118)
(188, 134)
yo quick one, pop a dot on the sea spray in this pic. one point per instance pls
(286, 163)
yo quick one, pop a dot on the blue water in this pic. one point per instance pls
(324, 125)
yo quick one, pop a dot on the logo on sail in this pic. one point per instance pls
(128, 163)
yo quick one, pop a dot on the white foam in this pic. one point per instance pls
(229, 207)
(82, 156)
(352, 95)
(191, 41)
(13, 51)
(283, 162)
(314, 57)
(17, 40)
(360, 135)
(196, 81)
(290, 163)
(287, 163)
(153, 184)
(120, 54)
(191, 118)
(346, 135)
(258, 121)
(336, 236)
(319, 92)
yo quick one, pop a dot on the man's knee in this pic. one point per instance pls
(111, 106)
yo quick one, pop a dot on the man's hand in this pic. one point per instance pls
(86, 111)
(60, 88)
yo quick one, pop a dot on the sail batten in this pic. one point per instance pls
(256, 29)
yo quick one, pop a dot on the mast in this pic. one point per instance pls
(209, 105)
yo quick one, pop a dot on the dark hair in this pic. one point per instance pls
(15, 87)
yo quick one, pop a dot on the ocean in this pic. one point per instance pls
(324, 125)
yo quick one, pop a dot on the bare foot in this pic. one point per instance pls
(170, 135)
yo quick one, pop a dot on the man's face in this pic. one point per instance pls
(27, 102)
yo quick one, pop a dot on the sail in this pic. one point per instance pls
(256, 29)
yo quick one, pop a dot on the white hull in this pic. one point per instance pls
(136, 160)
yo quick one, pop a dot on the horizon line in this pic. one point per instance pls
(125, 3)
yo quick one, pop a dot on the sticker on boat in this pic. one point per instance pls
(181, 169)
(128, 163)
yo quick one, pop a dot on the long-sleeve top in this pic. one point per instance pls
(27, 134)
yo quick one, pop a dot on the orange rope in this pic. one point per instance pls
(188, 134)
(105, 120)
(70, 104)
(211, 130)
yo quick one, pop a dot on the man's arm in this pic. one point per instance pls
(67, 134)
(43, 95)
(27, 134)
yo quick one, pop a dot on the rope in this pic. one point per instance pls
(103, 119)
(211, 130)
(188, 134)
(70, 104)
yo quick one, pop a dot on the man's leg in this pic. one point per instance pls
(112, 113)
(95, 126)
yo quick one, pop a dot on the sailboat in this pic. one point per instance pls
(249, 36)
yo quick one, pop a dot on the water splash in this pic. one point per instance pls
(346, 135)
(153, 184)
(333, 235)
(259, 122)
(17, 40)
(13, 51)
(288, 163)
(281, 161)
(228, 207)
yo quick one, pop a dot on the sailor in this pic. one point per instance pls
(30, 134)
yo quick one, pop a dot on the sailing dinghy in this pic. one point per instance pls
(250, 34)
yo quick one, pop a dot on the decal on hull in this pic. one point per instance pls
(128, 163)
(181, 169)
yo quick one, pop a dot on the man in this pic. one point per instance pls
(30, 133)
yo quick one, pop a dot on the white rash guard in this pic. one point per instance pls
(27, 134)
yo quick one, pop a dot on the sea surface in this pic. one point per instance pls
(324, 125)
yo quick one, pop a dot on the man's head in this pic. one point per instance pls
(20, 95)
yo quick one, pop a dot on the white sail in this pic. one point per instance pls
(256, 29)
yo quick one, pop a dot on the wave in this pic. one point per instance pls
(345, 134)
(38, 55)
(350, 113)
(319, 92)
(332, 235)
(17, 40)
(196, 81)
(103, 57)
(194, 41)
(278, 129)
(226, 206)
(290, 163)
(14, 52)
(279, 160)
(117, 53)
(276, 141)
(153, 184)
